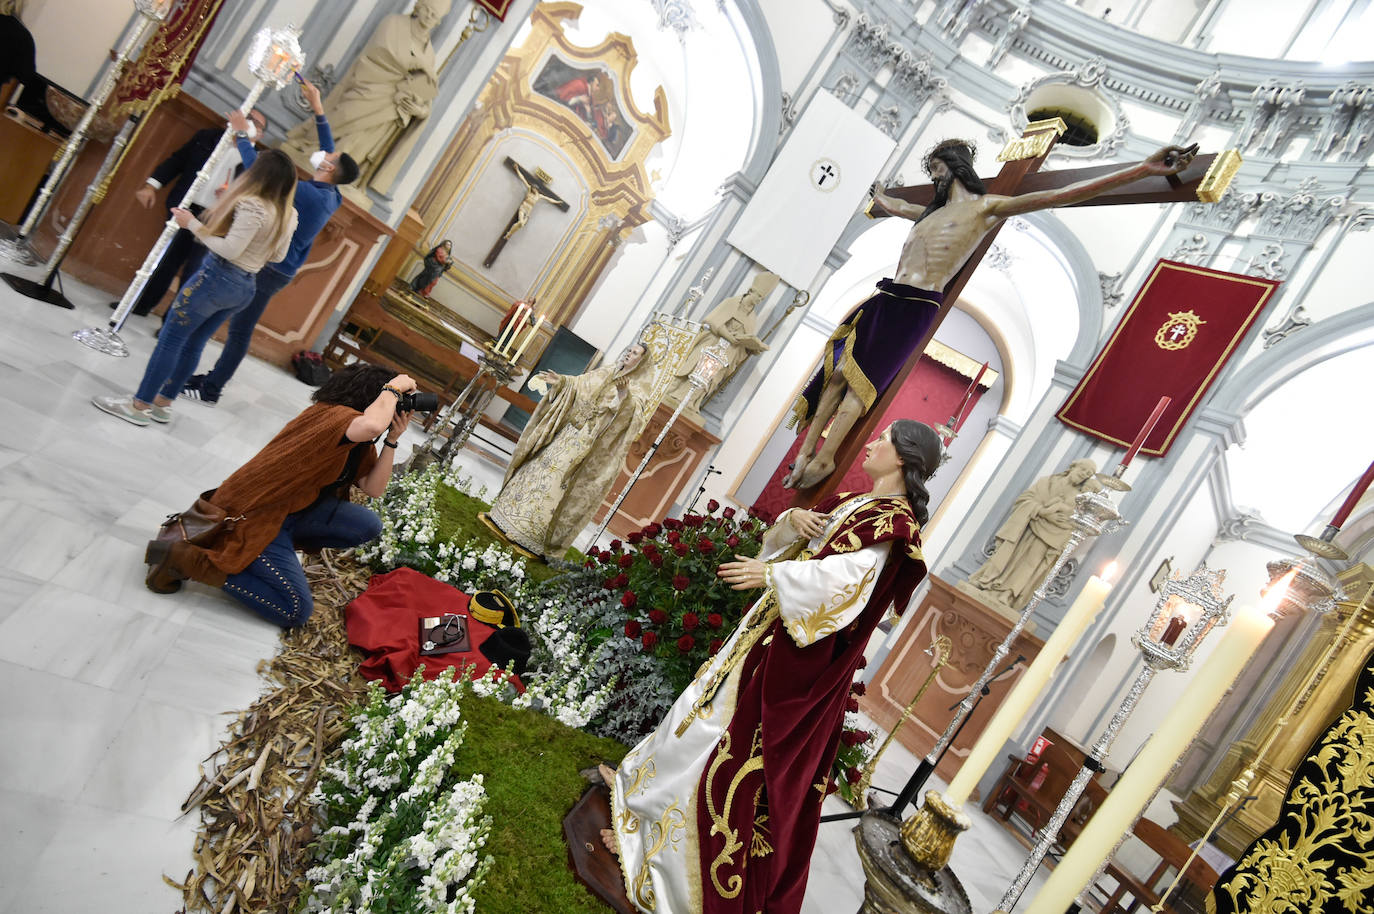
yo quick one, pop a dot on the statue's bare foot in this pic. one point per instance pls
(608, 839)
(607, 774)
(790, 481)
(816, 472)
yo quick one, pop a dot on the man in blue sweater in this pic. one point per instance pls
(316, 201)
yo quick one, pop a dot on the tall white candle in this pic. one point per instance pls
(511, 326)
(1152, 765)
(1028, 688)
(534, 331)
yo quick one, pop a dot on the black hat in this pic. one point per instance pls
(508, 648)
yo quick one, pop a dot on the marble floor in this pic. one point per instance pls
(113, 694)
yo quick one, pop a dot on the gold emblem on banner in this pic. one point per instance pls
(1178, 331)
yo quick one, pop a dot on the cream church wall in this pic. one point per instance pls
(73, 55)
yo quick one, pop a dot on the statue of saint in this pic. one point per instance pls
(1031, 538)
(867, 351)
(438, 261)
(733, 321)
(570, 452)
(377, 109)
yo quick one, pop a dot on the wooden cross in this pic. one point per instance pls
(1019, 176)
(536, 189)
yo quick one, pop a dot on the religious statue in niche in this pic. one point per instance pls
(732, 321)
(1031, 538)
(872, 344)
(570, 452)
(590, 94)
(377, 109)
(537, 190)
(437, 262)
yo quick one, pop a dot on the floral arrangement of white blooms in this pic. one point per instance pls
(409, 532)
(402, 828)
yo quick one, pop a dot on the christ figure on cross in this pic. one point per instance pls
(871, 345)
(536, 189)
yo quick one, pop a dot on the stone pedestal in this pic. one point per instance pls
(896, 883)
(976, 630)
(675, 467)
(119, 233)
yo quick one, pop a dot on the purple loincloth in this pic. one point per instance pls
(872, 344)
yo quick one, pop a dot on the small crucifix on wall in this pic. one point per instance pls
(536, 189)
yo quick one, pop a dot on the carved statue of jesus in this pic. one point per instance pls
(869, 348)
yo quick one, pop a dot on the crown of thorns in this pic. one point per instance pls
(951, 143)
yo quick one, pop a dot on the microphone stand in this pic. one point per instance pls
(701, 490)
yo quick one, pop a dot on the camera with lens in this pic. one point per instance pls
(418, 401)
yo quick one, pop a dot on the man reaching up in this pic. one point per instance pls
(316, 201)
(869, 348)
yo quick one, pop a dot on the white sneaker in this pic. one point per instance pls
(124, 408)
(162, 414)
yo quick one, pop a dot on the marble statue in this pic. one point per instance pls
(570, 452)
(1031, 538)
(734, 322)
(377, 109)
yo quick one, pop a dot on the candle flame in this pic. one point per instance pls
(1274, 594)
(1108, 573)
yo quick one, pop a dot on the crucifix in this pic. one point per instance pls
(957, 220)
(536, 189)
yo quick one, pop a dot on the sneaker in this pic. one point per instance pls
(192, 391)
(162, 414)
(124, 408)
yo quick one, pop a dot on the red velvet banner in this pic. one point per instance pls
(1173, 340)
(166, 57)
(497, 8)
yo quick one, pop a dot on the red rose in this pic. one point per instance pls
(649, 547)
(681, 582)
(632, 629)
(690, 621)
(656, 560)
(728, 513)
(681, 549)
(851, 704)
(686, 643)
(628, 600)
(616, 545)
(858, 688)
(747, 526)
(693, 520)
(674, 536)
(863, 662)
(607, 557)
(854, 737)
(705, 546)
(672, 523)
(649, 639)
(608, 584)
(658, 616)
(653, 529)
(590, 563)
(634, 538)
(732, 541)
(620, 580)
(716, 645)
(626, 560)
(853, 775)
(712, 506)
(714, 620)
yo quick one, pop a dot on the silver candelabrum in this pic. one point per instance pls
(1094, 514)
(1187, 609)
(495, 371)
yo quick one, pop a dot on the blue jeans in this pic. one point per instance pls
(241, 325)
(274, 586)
(217, 290)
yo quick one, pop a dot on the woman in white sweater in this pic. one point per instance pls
(249, 227)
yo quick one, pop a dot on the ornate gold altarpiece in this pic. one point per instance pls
(592, 162)
(1307, 717)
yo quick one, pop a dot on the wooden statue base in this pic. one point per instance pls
(595, 867)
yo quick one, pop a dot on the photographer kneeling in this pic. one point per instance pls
(292, 495)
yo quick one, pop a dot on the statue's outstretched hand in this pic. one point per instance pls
(1170, 160)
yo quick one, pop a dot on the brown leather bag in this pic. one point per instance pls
(200, 525)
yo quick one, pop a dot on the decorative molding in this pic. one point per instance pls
(1348, 123)
(1225, 215)
(1010, 30)
(1088, 75)
(1209, 103)
(789, 112)
(1268, 262)
(1296, 319)
(676, 15)
(1301, 215)
(1110, 285)
(1192, 249)
(999, 258)
(1238, 526)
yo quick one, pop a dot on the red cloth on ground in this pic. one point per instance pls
(384, 622)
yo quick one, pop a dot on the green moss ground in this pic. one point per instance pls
(458, 520)
(530, 763)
